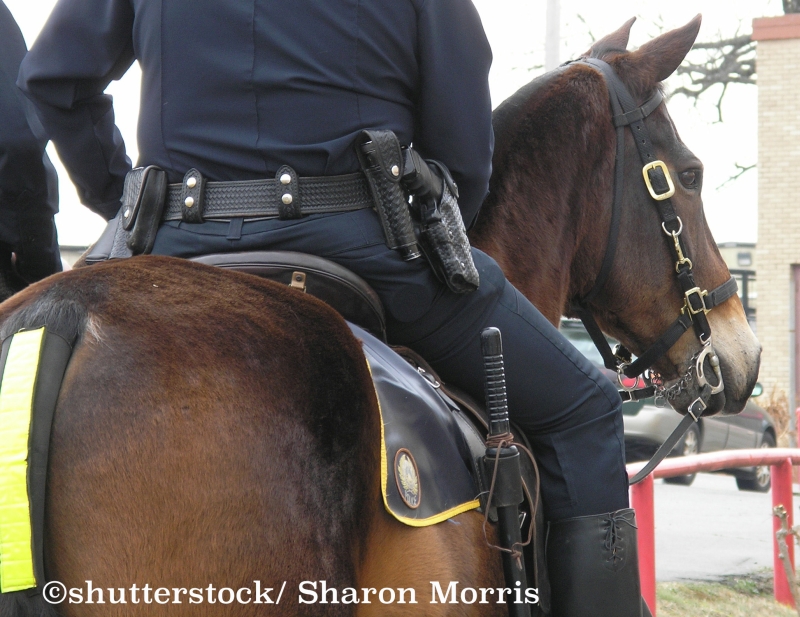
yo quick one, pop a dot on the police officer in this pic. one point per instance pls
(28, 181)
(238, 90)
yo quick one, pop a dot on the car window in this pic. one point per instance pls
(577, 335)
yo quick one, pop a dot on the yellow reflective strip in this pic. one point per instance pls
(412, 522)
(16, 403)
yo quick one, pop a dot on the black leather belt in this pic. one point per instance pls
(268, 198)
(286, 196)
(148, 200)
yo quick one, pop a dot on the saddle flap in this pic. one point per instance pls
(426, 468)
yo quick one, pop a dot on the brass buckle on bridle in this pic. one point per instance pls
(663, 167)
(687, 303)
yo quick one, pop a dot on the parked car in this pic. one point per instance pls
(647, 426)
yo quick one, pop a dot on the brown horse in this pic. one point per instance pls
(214, 429)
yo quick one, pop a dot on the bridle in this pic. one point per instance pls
(697, 302)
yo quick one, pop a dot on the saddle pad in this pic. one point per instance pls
(32, 363)
(425, 462)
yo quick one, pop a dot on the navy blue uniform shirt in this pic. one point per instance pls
(28, 181)
(238, 88)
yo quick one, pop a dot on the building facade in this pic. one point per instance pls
(740, 257)
(778, 250)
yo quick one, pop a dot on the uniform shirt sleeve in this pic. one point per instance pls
(84, 45)
(454, 119)
(28, 182)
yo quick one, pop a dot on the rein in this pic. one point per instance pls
(697, 302)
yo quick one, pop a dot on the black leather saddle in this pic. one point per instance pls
(335, 285)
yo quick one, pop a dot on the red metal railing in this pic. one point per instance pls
(780, 461)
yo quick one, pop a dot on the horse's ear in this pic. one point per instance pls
(659, 58)
(614, 42)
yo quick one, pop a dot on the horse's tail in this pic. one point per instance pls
(63, 316)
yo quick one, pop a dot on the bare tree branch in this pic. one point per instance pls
(742, 170)
(588, 29)
(724, 62)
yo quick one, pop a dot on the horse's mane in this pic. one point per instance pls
(505, 114)
(532, 104)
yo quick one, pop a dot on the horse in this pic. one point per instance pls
(217, 434)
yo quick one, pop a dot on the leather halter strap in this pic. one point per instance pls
(697, 302)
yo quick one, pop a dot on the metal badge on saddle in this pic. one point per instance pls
(430, 222)
(439, 461)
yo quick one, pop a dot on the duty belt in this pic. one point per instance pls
(287, 196)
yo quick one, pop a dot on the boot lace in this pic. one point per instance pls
(612, 540)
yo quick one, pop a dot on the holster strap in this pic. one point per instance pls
(270, 198)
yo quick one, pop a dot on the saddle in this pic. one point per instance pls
(433, 434)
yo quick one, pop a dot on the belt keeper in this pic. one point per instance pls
(288, 193)
(192, 197)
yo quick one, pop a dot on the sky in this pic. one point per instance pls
(516, 32)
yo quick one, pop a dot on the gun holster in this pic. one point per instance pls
(393, 172)
(442, 235)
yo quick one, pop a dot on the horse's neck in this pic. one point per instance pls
(544, 217)
(533, 263)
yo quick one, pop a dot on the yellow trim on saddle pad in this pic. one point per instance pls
(16, 405)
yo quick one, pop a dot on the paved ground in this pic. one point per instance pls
(711, 529)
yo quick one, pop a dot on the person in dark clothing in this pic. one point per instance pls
(28, 181)
(238, 90)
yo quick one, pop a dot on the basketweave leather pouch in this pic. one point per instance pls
(444, 242)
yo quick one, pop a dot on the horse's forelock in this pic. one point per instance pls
(635, 76)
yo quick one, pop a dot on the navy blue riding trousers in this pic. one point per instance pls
(571, 413)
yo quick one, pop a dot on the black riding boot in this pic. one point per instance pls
(593, 565)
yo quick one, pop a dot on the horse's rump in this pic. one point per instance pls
(204, 432)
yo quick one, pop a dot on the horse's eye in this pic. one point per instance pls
(692, 178)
